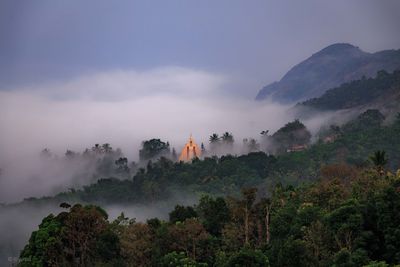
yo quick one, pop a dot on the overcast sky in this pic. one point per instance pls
(253, 42)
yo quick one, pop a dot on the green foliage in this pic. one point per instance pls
(81, 236)
(44, 244)
(379, 159)
(357, 93)
(175, 259)
(377, 264)
(181, 213)
(370, 119)
(292, 134)
(214, 213)
(326, 223)
(247, 257)
(153, 148)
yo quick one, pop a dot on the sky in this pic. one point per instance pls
(252, 42)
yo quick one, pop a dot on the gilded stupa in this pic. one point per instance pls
(190, 150)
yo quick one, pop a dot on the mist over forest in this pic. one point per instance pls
(78, 124)
(44, 142)
(80, 120)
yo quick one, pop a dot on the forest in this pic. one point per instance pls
(157, 179)
(334, 203)
(383, 87)
(348, 217)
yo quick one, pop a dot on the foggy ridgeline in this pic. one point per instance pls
(287, 198)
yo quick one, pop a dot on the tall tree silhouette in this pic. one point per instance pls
(379, 159)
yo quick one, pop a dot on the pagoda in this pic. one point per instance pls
(190, 150)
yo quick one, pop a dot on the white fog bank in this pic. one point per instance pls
(121, 108)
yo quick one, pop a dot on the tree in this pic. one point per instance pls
(45, 244)
(248, 257)
(65, 205)
(372, 118)
(379, 159)
(387, 205)
(346, 222)
(153, 148)
(214, 213)
(181, 213)
(122, 165)
(227, 139)
(174, 156)
(242, 216)
(250, 145)
(106, 148)
(249, 195)
(174, 259)
(137, 244)
(80, 237)
(214, 138)
(263, 213)
(187, 236)
(292, 134)
(318, 240)
(97, 149)
(83, 225)
(215, 142)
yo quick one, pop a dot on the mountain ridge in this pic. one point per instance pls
(328, 68)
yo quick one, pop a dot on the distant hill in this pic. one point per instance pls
(329, 68)
(382, 92)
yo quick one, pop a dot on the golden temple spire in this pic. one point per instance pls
(190, 150)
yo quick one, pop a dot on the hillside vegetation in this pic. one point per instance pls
(226, 175)
(333, 203)
(349, 217)
(384, 90)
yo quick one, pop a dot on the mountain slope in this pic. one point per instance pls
(329, 68)
(380, 92)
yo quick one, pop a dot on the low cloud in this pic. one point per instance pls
(122, 108)
(123, 85)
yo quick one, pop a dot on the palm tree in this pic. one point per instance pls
(106, 148)
(253, 145)
(380, 160)
(214, 138)
(227, 138)
(96, 149)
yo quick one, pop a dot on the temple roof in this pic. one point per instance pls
(190, 150)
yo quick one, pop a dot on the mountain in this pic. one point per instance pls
(381, 92)
(329, 68)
